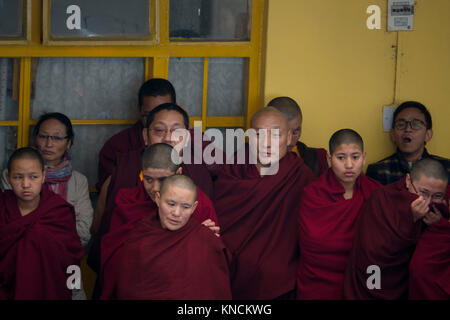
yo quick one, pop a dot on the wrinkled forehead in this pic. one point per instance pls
(168, 118)
(431, 183)
(157, 173)
(269, 120)
(178, 194)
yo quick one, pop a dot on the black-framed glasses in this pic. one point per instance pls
(425, 194)
(52, 138)
(415, 124)
(163, 132)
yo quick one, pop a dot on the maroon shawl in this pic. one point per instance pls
(190, 263)
(430, 266)
(132, 205)
(122, 142)
(257, 216)
(326, 229)
(36, 249)
(386, 236)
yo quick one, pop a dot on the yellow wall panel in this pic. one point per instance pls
(322, 54)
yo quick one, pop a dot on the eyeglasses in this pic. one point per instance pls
(52, 138)
(425, 194)
(415, 124)
(163, 132)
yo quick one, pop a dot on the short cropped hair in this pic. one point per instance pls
(170, 107)
(345, 136)
(61, 118)
(416, 105)
(156, 87)
(25, 153)
(159, 156)
(288, 106)
(430, 168)
(181, 181)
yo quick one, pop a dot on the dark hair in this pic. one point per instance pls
(156, 87)
(286, 105)
(61, 118)
(25, 153)
(416, 105)
(169, 107)
(345, 136)
(159, 156)
(430, 168)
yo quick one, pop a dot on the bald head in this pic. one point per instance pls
(159, 156)
(345, 136)
(287, 106)
(180, 181)
(429, 168)
(269, 113)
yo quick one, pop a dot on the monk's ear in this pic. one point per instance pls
(179, 171)
(428, 135)
(157, 198)
(44, 175)
(194, 206)
(290, 137)
(408, 181)
(329, 159)
(364, 155)
(145, 136)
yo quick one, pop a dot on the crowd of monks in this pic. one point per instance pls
(167, 228)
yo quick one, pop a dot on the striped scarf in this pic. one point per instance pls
(57, 176)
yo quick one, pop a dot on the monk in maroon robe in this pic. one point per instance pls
(38, 237)
(429, 269)
(162, 122)
(151, 94)
(389, 226)
(257, 206)
(314, 158)
(171, 256)
(327, 218)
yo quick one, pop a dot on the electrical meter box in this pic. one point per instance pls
(400, 15)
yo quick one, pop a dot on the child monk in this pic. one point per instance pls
(327, 218)
(38, 236)
(171, 256)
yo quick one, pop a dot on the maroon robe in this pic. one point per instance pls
(37, 249)
(133, 205)
(327, 224)
(126, 175)
(386, 236)
(429, 270)
(189, 264)
(257, 216)
(122, 142)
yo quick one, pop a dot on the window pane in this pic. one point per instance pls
(186, 75)
(210, 20)
(227, 81)
(11, 19)
(9, 88)
(100, 18)
(234, 144)
(87, 88)
(8, 143)
(88, 141)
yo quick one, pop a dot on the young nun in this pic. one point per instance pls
(390, 224)
(327, 217)
(171, 255)
(38, 236)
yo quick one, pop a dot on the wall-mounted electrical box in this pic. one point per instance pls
(388, 117)
(400, 15)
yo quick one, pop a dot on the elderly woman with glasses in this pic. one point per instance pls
(53, 137)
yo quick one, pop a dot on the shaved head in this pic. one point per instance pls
(272, 113)
(345, 136)
(25, 153)
(159, 156)
(287, 106)
(181, 181)
(429, 168)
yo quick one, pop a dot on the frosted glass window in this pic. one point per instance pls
(210, 20)
(9, 89)
(11, 19)
(89, 139)
(227, 83)
(186, 75)
(100, 19)
(8, 143)
(223, 146)
(87, 88)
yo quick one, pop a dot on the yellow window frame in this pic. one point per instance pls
(156, 62)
